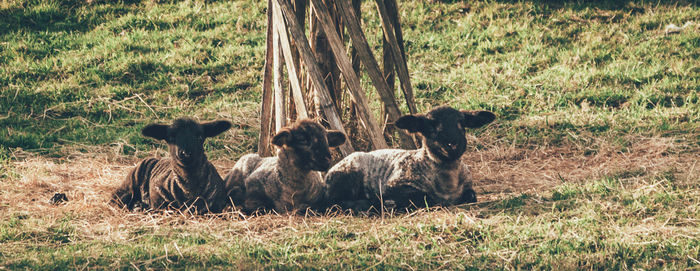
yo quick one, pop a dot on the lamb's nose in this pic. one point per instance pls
(183, 154)
(453, 146)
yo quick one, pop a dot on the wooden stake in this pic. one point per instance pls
(392, 9)
(308, 58)
(280, 116)
(353, 82)
(356, 6)
(266, 105)
(388, 63)
(300, 10)
(401, 66)
(281, 28)
(311, 92)
(359, 41)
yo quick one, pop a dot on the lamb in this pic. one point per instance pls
(288, 182)
(184, 181)
(400, 179)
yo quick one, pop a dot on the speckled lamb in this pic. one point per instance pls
(290, 181)
(432, 175)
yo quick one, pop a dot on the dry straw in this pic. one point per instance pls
(88, 179)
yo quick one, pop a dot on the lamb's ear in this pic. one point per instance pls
(213, 128)
(335, 138)
(282, 138)
(476, 119)
(415, 123)
(157, 131)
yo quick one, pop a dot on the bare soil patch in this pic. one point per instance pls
(503, 170)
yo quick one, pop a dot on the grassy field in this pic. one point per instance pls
(591, 164)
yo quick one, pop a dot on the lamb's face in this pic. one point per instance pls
(310, 143)
(443, 129)
(185, 138)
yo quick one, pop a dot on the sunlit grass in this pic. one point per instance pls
(591, 163)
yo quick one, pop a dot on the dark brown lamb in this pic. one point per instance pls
(290, 181)
(432, 175)
(184, 181)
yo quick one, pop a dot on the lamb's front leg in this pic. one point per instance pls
(235, 190)
(316, 197)
(234, 181)
(256, 197)
(468, 193)
(257, 202)
(345, 188)
(406, 196)
(129, 192)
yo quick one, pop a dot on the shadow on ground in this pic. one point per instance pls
(62, 16)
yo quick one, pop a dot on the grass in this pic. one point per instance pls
(592, 163)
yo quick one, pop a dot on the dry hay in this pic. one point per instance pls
(88, 179)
